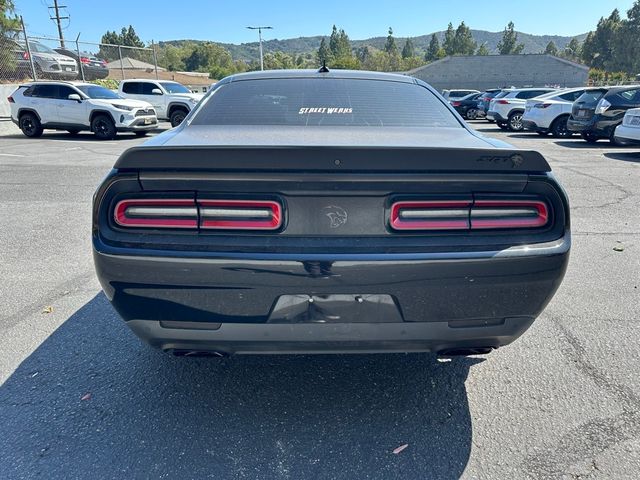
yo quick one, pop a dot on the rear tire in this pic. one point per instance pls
(103, 127)
(559, 127)
(471, 114)
(30, 125)
(515, 122)
(589, 137)
(177, 116)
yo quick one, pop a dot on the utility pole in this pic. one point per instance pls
(260, 37)
(56, 8)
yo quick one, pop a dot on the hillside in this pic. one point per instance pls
(302, 45)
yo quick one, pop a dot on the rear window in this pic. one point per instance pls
(324, 102)
(504, 93)
(591, 96)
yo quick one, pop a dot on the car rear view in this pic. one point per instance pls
(328, 212)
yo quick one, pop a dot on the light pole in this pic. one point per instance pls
(260, 37)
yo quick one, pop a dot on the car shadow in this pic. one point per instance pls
(633, 157)
(579, 143)
(93, 401)
(82, 136)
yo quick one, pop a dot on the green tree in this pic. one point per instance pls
(449, 43)
(210, 57)
(599, 48)
(483, 49)
(172, 57)
(627, 44)
(363, 53)
(573, 51)
(463, 42)
(408, 50)
(334, 40)
(433, 50)
(324, 53)
(509, 44)
(551, 49)
(390, 46)
(9, 25)
(127, 37)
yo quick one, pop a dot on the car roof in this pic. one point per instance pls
(60, 82)
(307, 73)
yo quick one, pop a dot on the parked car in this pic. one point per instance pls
(20, 67)
(597, 113)
(78, 106)
(507, 108)
(457, 94)
(549, 113)
(314, 211)
(629, 131)
(467, 106)
(48, 63)
(93, 67)
(171, 100)
(485, 98)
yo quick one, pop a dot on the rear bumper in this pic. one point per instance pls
(630, 135)
(599, 126)
(533, 126)
(229, 302)
(492, 115)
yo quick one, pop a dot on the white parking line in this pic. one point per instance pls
(10, 155)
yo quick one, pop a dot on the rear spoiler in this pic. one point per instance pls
(332, 159)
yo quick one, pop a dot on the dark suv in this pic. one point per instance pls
(597, 113)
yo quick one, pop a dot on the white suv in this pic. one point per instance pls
(171, 100)
(78, 106)
(549, 113)
(507, 107)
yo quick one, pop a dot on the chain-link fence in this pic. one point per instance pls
(25, 57)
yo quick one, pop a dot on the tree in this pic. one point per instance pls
(626, 48)
(210, 57)
(551, 49)
(509, 44)
(433, 50)
(599, 47)
(483, 49)
(324, 53)
(449, 43)
(363, 53)
(408, 50)
(463, 42)
(573, 51)
(9, 25)
(127, 37)
(390, 45)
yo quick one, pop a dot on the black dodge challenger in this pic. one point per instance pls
(328, 211)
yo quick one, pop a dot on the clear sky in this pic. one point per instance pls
(225, 21)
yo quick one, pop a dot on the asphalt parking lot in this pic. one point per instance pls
(81, 397)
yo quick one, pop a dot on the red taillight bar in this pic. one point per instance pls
(431, 215)
(509, 214)
(193, 214)
(156, 213)
(240, 214)
(468, 214)
(11, 100)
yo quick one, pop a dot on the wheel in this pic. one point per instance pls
(141, 134)
(515, 122)
(589, 137)
(177, 116)
(503, 126)
(73, 131)
(103, 127)
(559, 127)
(30, 125)
(472, 114)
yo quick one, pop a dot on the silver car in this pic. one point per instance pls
(50, 64)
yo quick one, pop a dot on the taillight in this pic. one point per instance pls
(468, 214)
(11, 100)
(198, 214)
(542, 105)
(503, 102)
(157, 213)
(240, 214)
(25, 55)
(508, 214)
(455, 104)
(84, 60)
(430, 215)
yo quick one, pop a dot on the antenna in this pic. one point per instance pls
(323, 68)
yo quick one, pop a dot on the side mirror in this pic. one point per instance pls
(76, 97)
(156, 91)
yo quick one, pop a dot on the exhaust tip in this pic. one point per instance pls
(196, 353)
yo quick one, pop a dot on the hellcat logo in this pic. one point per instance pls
(515, 159)
(336, 215)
